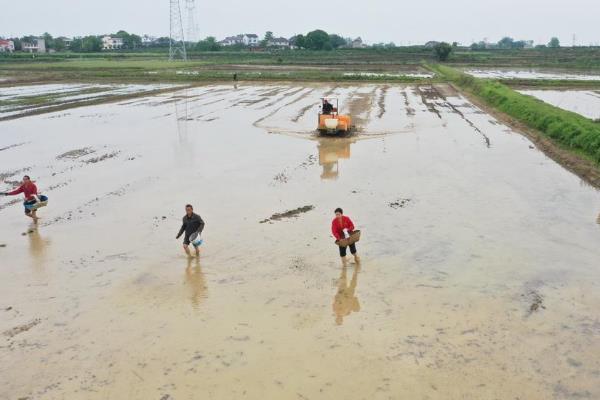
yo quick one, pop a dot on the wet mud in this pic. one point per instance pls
(478, 276)
(295, 213)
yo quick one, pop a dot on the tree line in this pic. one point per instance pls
(510, 43)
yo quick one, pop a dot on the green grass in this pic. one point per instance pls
(161, 70)
(569, 129)
(578, 58)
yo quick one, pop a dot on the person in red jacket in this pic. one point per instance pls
(30, 192)
(339, 227)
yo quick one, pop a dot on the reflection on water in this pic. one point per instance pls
(184, 147)
(37, 247)
(345, 301)
(331, 150)
(194, 280)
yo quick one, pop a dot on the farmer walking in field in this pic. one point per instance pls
(192, 227)
(32, 200)
(340, 227)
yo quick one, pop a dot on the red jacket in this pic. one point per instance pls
(28, 189)
(337, 228)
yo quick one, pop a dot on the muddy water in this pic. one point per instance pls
(480, 255)
(584, 102)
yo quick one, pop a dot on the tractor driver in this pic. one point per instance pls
(327, 107)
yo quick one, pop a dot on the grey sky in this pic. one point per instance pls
(402, 22)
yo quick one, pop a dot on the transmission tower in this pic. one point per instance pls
(190, 6)
(176, 38)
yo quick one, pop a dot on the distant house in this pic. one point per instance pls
(148, 40)
(67, 41)
(280, 42)
(7, 46)
(37, 46)
(528, 44)
(358, 43)
(112, 43)
(232, 40)
(250, 39)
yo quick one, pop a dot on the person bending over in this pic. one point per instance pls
(30, 193)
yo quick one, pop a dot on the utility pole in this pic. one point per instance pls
(176, 37)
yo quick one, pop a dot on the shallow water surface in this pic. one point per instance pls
(549, 74)
(584, 102)
(479, 274)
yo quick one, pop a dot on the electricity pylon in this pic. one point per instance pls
(176, 38)
(190, 6)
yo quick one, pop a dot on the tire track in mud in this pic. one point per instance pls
(381, 101)
(426, 96)
(288, 93)
(486, 139)
(410, 112)
(302, 112)
(13, 146)
(305, 109)
(436, 94)
(358, 104)
(304, 95)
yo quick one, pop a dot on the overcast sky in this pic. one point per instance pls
(400, 21)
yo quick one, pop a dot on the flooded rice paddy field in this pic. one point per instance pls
(480, 257)
(538, 73)
(584, 102)
(19, 100)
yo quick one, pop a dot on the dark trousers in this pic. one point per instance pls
(343, 250)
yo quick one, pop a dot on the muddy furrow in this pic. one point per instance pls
(359, 104)
(486, 139)
(257, 122)
(381, 101)
(289, 93)
(410, 112)
(426, 96)
(88, 102)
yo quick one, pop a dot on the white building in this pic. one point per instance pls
(7, 46)
(250, 39)
(232, 40)
(111, 43)
(38, 46)
(279, 42)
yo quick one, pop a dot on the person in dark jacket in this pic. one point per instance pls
(192, 223)
(327, 107)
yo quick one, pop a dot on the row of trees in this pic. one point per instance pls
(319, 40)
(510, 43)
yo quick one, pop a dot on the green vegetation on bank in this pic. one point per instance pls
(584, 58)
(566, 128)
(195, 71)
